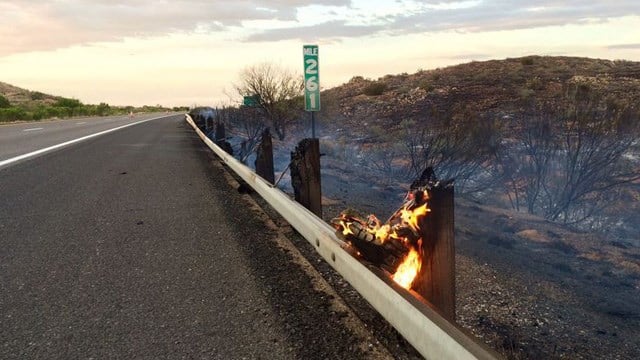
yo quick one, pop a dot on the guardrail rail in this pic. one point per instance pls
(430, 334)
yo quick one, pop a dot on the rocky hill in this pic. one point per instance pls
(531, 286)
(489, 88)
(487, 112)
(25, 98)
(17, 104)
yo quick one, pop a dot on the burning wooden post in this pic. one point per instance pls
(436, 278)
(305, 175)
(264, 157)
(416, 244)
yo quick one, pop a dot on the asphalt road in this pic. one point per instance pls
(135, 245)
(21, 138)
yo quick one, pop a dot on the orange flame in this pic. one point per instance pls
(408, 269)
(406, 217)
(345, 228)
(412, 217)
(383, 232)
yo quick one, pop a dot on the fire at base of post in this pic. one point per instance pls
(394, 246)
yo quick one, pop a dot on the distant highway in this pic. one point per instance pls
(134, 245)
(24, 138)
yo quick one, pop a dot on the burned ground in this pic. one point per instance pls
(529, 287)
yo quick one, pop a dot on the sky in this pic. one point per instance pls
(190, 52)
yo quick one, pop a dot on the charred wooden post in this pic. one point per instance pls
(220, 132)
(243, 151)
(264, 157)
(221, 140)
(436, 279)
(226, 146)
(305, 175)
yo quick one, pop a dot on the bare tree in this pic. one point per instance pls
(251, 124)
(247, 123)
(567, 164)
(455, 147)
(523, 162)
(591, 161)
(278, 93)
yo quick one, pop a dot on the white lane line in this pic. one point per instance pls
(38, 152)
(80, 123)
(33, 129)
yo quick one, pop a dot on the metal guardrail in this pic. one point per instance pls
(431, 334)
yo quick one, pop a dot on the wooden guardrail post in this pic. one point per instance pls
(264, 157)
(305, 175)
(220, 133)
(436, 279)
(221, 139)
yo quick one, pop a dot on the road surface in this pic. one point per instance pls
(134, 244)
(25, 137)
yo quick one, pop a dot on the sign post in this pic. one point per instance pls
(311, 83)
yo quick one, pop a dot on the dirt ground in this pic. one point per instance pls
(529, 288)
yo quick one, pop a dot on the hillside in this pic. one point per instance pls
(482, 116)
(545, 156)
(531, 285)
(17, 104)
(489, 88)
(25, 98)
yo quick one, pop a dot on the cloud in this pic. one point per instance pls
(624, 47)
(327, 31)
(467, 16)
(510, 15)
(49, 24)
(467, 57)
(29, 25)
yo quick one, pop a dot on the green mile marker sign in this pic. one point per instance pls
(311, 78)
